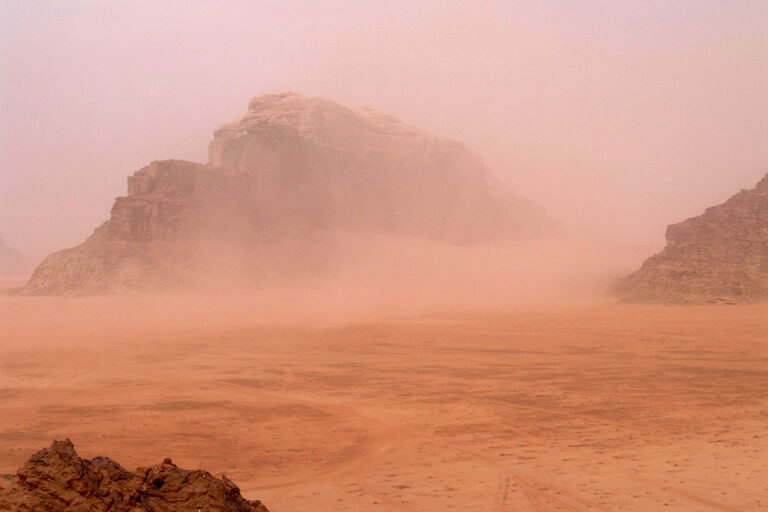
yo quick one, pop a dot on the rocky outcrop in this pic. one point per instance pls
(154, 238)
(279, 179)
(56, 479)
(718, 257)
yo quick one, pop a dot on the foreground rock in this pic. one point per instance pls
(57, 479)
(280, 182)
(718, 257)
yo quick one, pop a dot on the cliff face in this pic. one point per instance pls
(56, 479)
(718, 257)
(291, 169)
(150, 240)
(317, 164)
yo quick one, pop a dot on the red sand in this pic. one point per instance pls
(559, 408)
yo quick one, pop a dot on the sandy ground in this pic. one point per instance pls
(573, 408)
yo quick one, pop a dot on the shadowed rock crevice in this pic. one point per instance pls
(56, 479)
(718, 257)
(283, 183)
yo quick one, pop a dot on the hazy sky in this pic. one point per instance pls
(618, 116)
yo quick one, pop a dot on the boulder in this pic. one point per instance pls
(56, 479)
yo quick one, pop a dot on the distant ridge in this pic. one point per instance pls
(13, 261)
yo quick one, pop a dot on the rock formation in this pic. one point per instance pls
(718, 257)
(279, 179)
(56, 479)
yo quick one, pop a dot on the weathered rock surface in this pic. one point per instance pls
(56, 479)
(718, 257)
(289, 171)
(154, 237)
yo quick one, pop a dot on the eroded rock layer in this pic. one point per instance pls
(56, 479)
(280, 178)
(718, 257)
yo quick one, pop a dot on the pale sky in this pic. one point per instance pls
(618, 116)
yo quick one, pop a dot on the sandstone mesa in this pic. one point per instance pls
(280, 181)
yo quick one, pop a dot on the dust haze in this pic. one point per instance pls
(619, 118)
(426, 345)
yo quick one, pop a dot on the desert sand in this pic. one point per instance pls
(308, 406)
